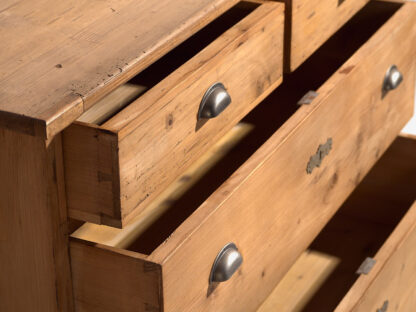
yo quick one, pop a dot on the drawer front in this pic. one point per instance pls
(392, 280)
(274, 205)
(272, 208)
(311, 22)
(363, 260)
(120, 167)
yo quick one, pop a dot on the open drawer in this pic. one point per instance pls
(364, 259)
(118, 157)
(269, 186)
(309, 23)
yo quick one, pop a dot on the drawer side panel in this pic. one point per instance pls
(91, 174)
(105, 280)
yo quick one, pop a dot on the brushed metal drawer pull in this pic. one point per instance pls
(392, 79)
(226, 264)
(214, 102)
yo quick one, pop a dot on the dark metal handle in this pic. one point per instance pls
(215, 101)
(226, 264)
(392, 79)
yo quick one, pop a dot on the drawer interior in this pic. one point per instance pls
(351, 36)
(325, 273)
(102, 113)
(150, 229)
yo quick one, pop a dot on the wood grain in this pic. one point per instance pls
(123, 238)
(361, 125)
(91, 170)
(110, 281)
(312, 23)
(391, 279)
(375, 221)
(80, 51)
(144, 168)
(300, 283)
(113, 102)
(33, 226)
(270, 207)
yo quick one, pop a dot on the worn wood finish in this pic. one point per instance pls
(122, 238)
(113, 102)
(300, 283)
(81, 50)
(311, 23)
(34, 255)
(394, 274)
(393, 278)
(361, 125)
(101, 166)
(261, 207)
(145, 168)
(384, 230)
(114, 281)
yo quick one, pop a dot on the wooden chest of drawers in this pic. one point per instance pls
(192, 155)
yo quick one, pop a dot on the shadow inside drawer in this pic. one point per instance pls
(364, 222)
(263, 122)
(127, 93)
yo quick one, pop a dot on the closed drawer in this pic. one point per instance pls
(116, 164)
(266, 186)
(309, 23)
(377, 223)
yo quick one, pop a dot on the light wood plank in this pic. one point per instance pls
(273, 226)
(122, 238)
(312, 23)
(33, 226)
(361, 125)
(113, 102)
(109, 281)
(91, 167)
(375, 224)
(300, 283)
(393, 277)
(166, 114)
(81, 50)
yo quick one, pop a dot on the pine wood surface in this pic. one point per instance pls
(391, 279)
(376, 222)
(157, 137)
(35, 274)
(311, 23)
(123, 238)
(114, 281)
(68, 54)
(271, 226)
(279, 165)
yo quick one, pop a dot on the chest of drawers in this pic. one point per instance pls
(202, 155)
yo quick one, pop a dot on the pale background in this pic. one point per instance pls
(411, 126)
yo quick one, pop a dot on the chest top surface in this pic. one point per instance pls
(59, 57)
